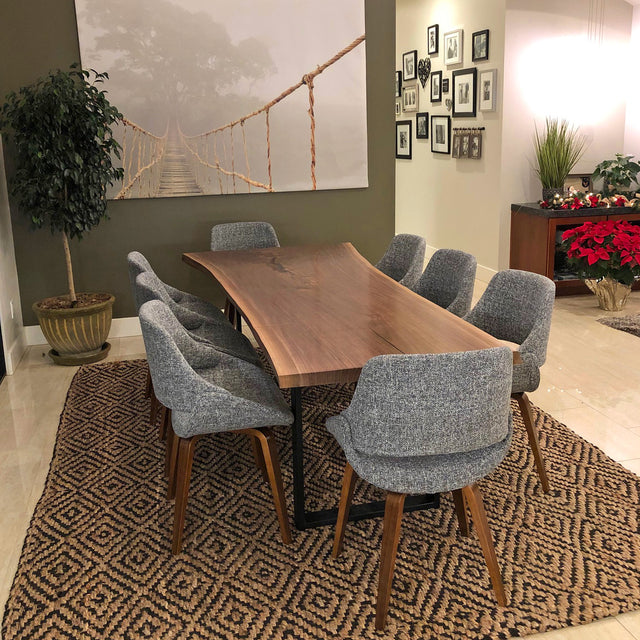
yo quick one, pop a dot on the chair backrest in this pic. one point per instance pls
(432, 404)
(243, 235)
(517, 306)
(404, 258)
(448, 280)
(137, 264)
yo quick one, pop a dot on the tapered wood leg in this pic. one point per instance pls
(473, 498)
(227, 309)
(167, 450)
(269, 448)
(172, 469)
(532, 434)
(461, 512)
(390, 534)
(348, 483)
(258, 457)
(186, 449)
(162, 429)
(148, 385)
(155, 406)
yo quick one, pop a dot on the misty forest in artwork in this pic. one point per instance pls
(224, 97)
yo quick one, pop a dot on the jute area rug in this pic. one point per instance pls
(96, 561)
(630, 324)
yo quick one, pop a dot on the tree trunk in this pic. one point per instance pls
(67, 256)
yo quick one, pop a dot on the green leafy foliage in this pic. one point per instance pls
(620, 172)
(61, 126)
(557, 150)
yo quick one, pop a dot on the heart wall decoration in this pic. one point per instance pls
(424, 69)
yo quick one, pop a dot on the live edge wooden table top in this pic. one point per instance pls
(320, 312)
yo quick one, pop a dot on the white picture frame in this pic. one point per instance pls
(487, 90)
(453, 47)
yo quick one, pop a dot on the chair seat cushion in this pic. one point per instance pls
(423, 474)
(227, 339)
(204, 308)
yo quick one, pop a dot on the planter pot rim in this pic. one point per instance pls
(74, 311)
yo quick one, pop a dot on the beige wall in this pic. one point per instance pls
(12, 335)
(452, 203)
(632, 128)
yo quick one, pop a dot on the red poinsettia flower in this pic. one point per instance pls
(544, 204)
(620, 202)
(594, 200)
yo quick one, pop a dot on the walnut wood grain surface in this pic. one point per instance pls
(320, 312)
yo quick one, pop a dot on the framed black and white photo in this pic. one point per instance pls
(436, 86)
(403, 139)
(398, 84)
(475, 145)
(480, 46)
(441, 134)
(398, 107)
(422, 126)
(455, 146)
(410, 65)
(445, 85)
(464, 145)
(453, 47)
(464, 93)
(433, 35)
(410, 97)
(487, 83)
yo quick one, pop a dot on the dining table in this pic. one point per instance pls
(319, 313)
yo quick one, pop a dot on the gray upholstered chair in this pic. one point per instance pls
(209, 391)
(448, 280)
(517, 307)
(426, 424)
(404, 258)
(138, 264)
(233, 236)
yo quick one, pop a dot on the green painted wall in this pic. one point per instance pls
(39, 35)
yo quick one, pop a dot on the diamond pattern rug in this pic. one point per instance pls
(96, 561)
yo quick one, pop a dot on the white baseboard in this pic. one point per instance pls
(120, 328)
(14, 353)
(484, 274)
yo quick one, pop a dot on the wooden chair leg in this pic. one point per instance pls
(155, 406)
(148, 385)
(348, 483)
(393, 509)
(186, 449)
(473, 498)
(166, 417)
(532, 434)
(461, 512)
(167, 450)
(258, 457)
(172, 467)
(269, 448)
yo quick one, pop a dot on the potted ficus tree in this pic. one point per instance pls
(558, 149)
(61, 129)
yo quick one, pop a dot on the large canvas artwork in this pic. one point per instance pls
(232, 97)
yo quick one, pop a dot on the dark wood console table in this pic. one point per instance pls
(535, 233)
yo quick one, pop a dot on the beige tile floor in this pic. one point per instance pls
(591, 382)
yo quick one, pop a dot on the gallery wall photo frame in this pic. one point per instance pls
(436, 86)
(464, 92)
(398, 107)
(452, 45)
(398, 84)
(410, 96)
(410, 65)
(480, 45)
(422, 126)
(403, 139)
(487, 89)
(441, 134)
(445, 85)
(433, 39)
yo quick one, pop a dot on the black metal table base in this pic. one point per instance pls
(309, 519)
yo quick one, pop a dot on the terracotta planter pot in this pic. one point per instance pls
(612, 295)
(77, 336)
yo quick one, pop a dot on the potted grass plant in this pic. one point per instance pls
(61, 129)
(558, 149)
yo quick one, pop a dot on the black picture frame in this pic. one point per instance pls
(422, 126)
(436, 86)
(433, 39)
(464, 93)
(480, 45)
(403, 139)
(441, 134)
(445, 85)
(398, 84)
(410, 65)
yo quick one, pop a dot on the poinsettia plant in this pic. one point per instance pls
(604, 249)
(579, 200)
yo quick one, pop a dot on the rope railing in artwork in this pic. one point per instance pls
(142, 153)
(198, 146)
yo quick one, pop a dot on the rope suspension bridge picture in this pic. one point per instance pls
(309, 136)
